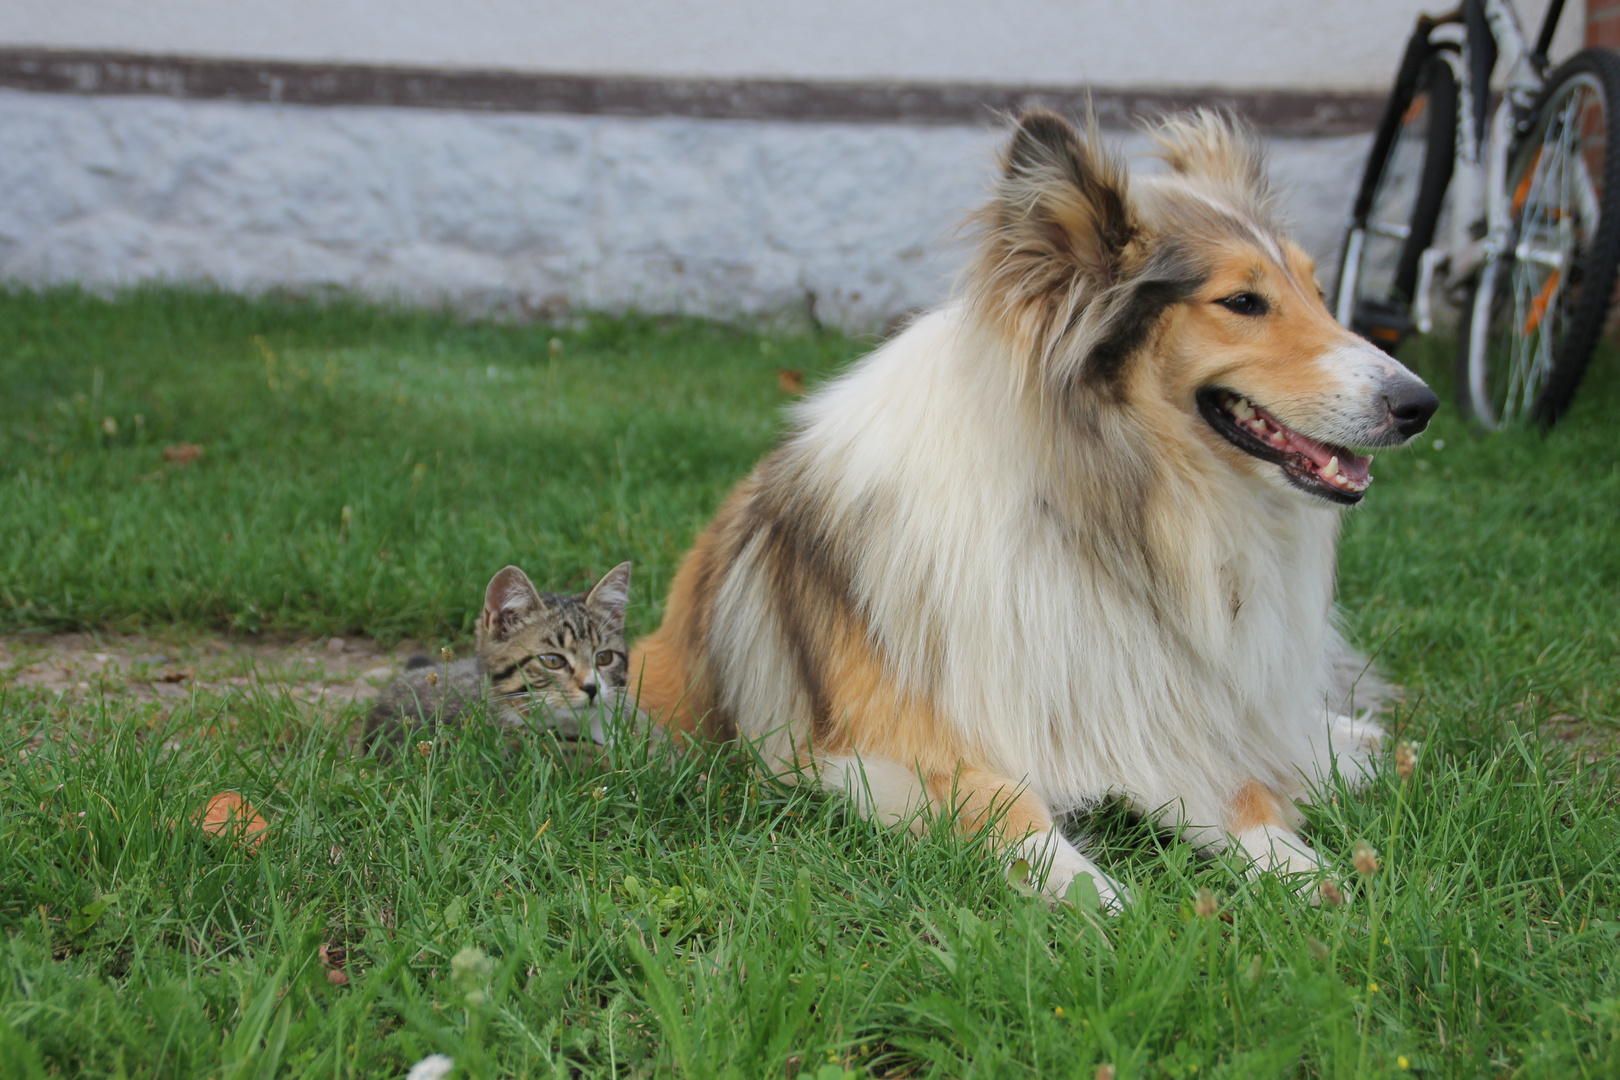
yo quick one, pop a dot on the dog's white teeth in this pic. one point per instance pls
(1331, 469)
(1277, 439)
(1243, 410)
(1348, 484)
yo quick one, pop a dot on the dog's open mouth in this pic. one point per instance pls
(1336, 473)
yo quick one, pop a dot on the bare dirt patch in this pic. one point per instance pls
(1593, 742)
(327, 673)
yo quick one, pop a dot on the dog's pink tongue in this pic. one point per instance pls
(1354, 466)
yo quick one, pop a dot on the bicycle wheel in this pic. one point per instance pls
(1536, 309)
(1398, 207)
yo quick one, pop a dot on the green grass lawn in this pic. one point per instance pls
(365, 471)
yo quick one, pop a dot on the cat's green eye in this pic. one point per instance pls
(604, 658)
(553, 661)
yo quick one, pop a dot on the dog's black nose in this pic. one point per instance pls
(1410, 407)
(590, 687)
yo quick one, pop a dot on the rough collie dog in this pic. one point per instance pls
(1069, 537)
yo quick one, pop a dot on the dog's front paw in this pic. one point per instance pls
(1064, 870)
(1356, 743)
(1091, 890)
(1277, 851)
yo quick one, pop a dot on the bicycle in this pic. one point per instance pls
(1533, 238)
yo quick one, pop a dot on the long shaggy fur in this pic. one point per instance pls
(1003, 568)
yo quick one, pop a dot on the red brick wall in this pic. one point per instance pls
(1603, 23)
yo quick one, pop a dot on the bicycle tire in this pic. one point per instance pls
(1403, 193)
(1535, 310)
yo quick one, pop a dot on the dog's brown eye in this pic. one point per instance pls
(1245, 303)
(553, 661)
(604, 658)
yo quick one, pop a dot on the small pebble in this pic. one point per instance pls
(336, 645)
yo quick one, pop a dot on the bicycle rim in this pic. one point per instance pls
(1526, 295)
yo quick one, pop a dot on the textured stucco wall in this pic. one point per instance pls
(523, 213)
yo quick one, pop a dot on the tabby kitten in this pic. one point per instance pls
(543, 661)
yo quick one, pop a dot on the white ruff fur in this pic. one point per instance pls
(1057, 673)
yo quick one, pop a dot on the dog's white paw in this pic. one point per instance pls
(1353, 743)
(1064, 863)
(1356, 742)
(1357, 734)
(1278, 851)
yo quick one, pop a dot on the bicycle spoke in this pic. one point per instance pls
(1556, 202)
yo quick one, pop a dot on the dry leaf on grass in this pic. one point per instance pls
(228, 814)
(335, 957)
(177, 675)
(791, 380)
(182, 453)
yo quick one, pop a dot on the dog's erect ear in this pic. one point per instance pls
(1216, 146)
(1062, 199)
(609, 596)
(510, 599)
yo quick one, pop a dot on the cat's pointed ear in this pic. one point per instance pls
(610, 595)
(510, 599)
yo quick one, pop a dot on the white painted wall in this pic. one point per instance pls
(524, 213)
(1318, 44)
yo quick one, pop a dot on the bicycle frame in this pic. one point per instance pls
(1479, 180)
(1474, 41)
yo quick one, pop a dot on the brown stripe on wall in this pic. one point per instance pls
(1279, 112)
